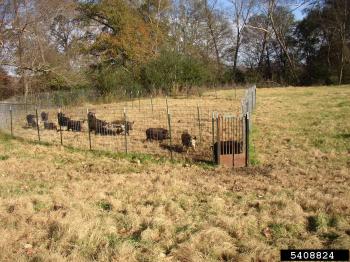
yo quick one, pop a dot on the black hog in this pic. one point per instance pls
(50, 126)
(74, 125)
(95, 124)
(188, 141)
(44, 116)
(31, 120)
(157, 134)
(228, 148)
(103, 127)
(105, 131)
(62, 119)
(126, 125)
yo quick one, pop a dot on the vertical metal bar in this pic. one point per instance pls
(11, 120)
(37, 123)
(171, 142)
(247, 138)
(167, 107)
(132, 100)
(152, 104)
(138, 94)
(199, 124)
(218, 145)
(224, 135)
(254, 97)
(59, 111)
(125, 135)
(234, 133)
(213, 134)
(89, 130)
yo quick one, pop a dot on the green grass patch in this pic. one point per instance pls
(4, 157)
(321, 222)
(39, 205)
(253, 155)
(343, 104)
(105, 205)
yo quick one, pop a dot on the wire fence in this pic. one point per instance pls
(181, 127)
(62, 98)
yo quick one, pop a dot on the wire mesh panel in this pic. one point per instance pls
(21, 120)
(5, 118)
(180, 127)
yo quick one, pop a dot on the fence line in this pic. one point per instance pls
(125, 127)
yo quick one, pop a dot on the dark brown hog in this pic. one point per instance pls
(158, 134)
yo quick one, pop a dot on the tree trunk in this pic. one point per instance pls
(262, 50)
(284, 48)
(341, 67)
(238, 40)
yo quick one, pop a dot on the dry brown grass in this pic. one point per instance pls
(62, 204)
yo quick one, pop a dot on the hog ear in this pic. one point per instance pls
(195, 138)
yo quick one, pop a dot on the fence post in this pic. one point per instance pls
(125, 98)
(199, 124)
(87, 112)
(167, 107)
(152, 103)
(247, 139)
(218, 146)
(37, 123)
(138, 94)
(254, 97)
(11, 120)
(213, 134)
(132, 100)
(171, 142)
(59, 123)
(125, 132)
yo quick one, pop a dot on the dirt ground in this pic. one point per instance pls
(65, 204)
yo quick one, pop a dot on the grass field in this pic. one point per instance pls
(59, 203)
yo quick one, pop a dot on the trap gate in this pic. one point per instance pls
(231, 140)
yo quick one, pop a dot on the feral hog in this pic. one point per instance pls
(95, 124)
(157, 134)
(103, 127)
(74, 125)
(126, 125)
(188, 141)
(31, 120)
(44, 116)
(62, 119)
(50, 126)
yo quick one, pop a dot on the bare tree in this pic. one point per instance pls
(242, 10)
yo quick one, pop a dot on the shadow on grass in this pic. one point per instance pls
(343, 136)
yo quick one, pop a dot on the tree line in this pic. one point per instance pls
(168, 45)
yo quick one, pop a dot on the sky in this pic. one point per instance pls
(298, 14)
